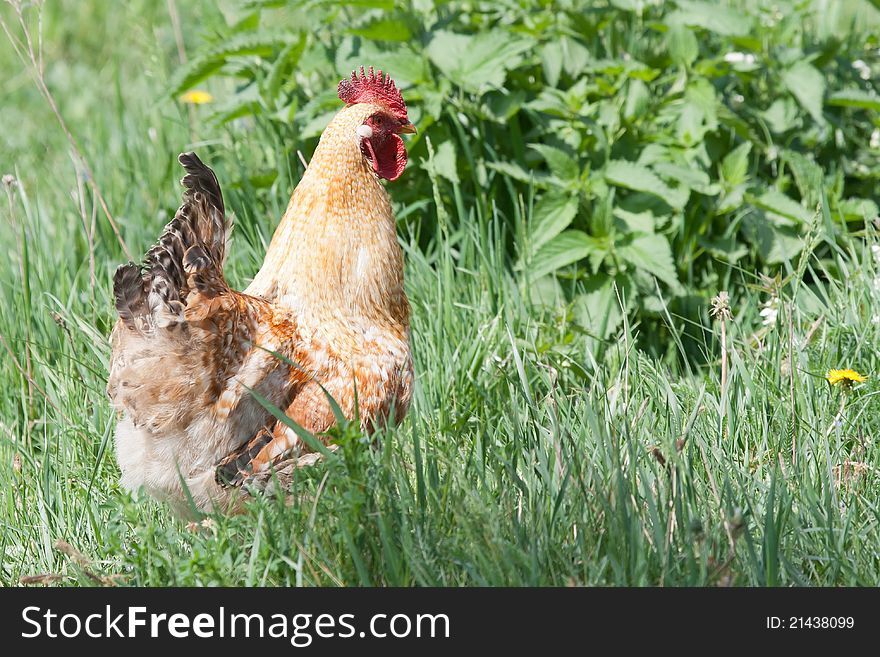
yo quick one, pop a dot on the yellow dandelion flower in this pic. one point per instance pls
(196, 97)
(845, 377)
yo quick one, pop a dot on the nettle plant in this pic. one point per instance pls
(642, 153)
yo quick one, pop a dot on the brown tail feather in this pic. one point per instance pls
(189, 253)
(130, 295)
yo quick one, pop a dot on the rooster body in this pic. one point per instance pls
(326, 312)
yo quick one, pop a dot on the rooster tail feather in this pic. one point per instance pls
(203, 191)
(130, 295)
(189, 255)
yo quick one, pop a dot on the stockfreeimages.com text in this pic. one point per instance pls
(299, 629)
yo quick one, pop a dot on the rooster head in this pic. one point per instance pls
(380, 133)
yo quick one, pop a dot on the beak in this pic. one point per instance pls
(407, 128)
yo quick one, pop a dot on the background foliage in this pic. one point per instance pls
(586, 177)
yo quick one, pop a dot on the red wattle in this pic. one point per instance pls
(389, 156)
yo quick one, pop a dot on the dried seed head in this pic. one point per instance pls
(721, 306)
(58, 319)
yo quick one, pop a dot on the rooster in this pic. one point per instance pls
(325, 315)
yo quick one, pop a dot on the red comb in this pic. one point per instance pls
(369, 87)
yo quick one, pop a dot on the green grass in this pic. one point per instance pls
(528, 456)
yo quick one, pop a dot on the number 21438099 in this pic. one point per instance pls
(810, 623)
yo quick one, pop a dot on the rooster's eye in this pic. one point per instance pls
(378, 120)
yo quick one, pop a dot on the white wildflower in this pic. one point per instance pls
(736, 57)
(863, 69)
(770, 311)
(875, 138)
(771, 19)
(875, 251)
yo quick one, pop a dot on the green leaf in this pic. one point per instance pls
(653, 254)
(858, 209)
(691, 128)
(516, 172)
(263, 179)
(547, 292)
(727, 249)
(564, 249)
(637, 6)
(575, 56)
(782, 115)
(551, 61)
(779, 204)
(682, 45)
(696, 179)
(774, 244)
(638, 98)
(807, 174)
(246, 101)
(598, 309)
(855, 98)
(562, 165)
(406, 66)
(501, 106)
(445, 162)
(282, 66)
(698, 114)
(732, 199)
(552, 214)
(316, 125)
(711, 16)
(638, 222)
(386, 5)
(204, 65)
(475, 62)
(641, 179)
(735, 165)
(702, 94)
(601, 215)
(384, 29)
(807, 85)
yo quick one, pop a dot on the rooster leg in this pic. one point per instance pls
(259, 457)
(238, 465)
(278, 476)
(255, 457)
(269, 451)
(254, 464)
